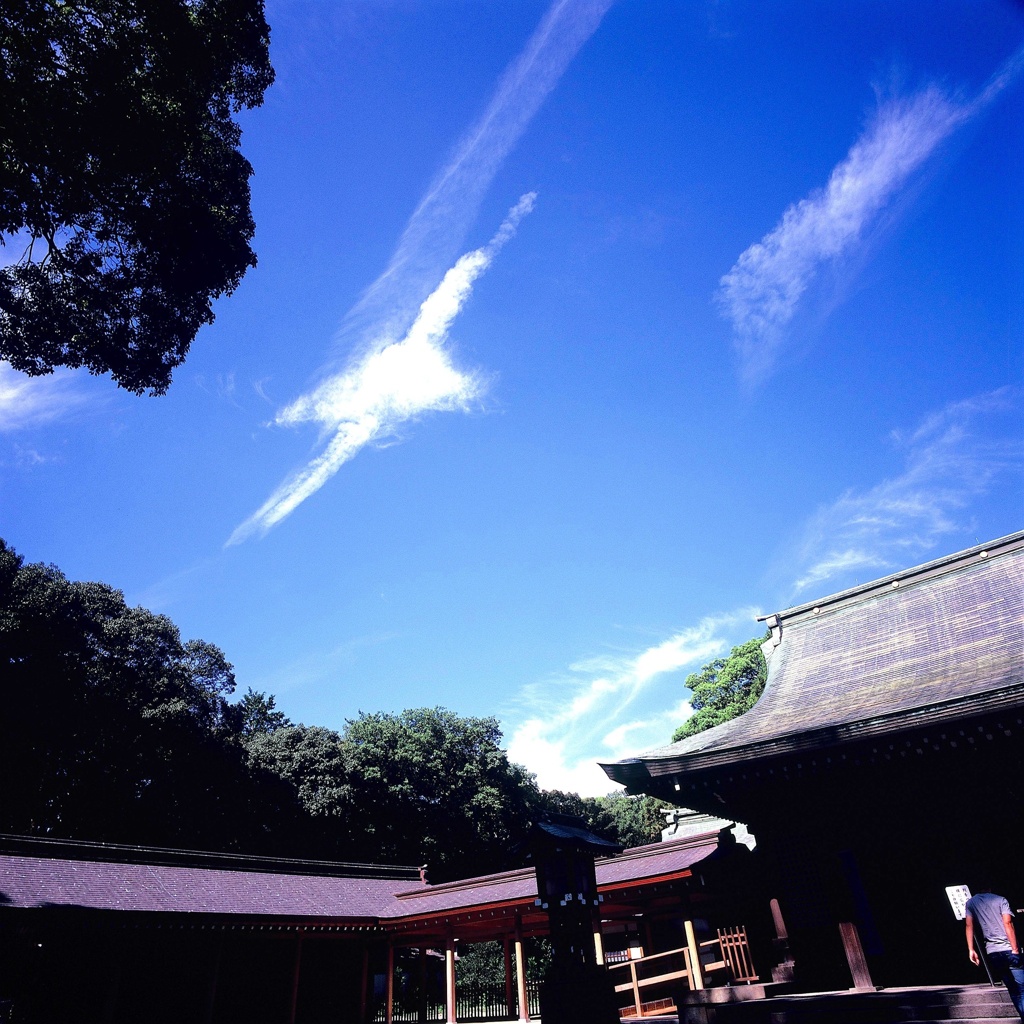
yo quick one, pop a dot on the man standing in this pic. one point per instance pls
(991, 916)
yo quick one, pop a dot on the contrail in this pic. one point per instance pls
(438, 227)
(400, 324)
(388, 386)
(762, 292)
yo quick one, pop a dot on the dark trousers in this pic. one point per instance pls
(1009, 969)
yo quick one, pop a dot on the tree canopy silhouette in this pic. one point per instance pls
(124, 197)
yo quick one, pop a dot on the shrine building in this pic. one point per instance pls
(100, 933)
(882, 764)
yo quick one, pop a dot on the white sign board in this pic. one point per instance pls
(958, 897)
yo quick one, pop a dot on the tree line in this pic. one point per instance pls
(117, 730)
(125, 207)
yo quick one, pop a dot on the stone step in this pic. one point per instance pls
(980, 1004)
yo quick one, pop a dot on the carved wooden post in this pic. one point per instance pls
(575, 988)
(784, 968)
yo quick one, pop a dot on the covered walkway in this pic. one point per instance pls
(156, 934)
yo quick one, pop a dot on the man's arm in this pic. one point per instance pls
(969, 926)
(1011, 933)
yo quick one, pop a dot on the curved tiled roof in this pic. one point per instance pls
(61, 881)
(937, 642)
(166, 888)
(641, 863)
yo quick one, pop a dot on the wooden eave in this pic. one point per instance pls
(756, 754)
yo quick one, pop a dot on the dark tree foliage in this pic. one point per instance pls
(725, 688)
(636, 820)
(627, 820)
(593, 810)
(124, 198)
(113, 728)
(426, 785)
(431, 784)
(259, 714)
(309, 764)
(483, 963)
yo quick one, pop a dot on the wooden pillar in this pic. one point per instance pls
(509, 987)
(295, 979)
(648, 938)
(449, 979)
(211, 992)
(422, 1001)
(855, 956)
(636, 989)
(524, 995)
(390, 1011)
(113, 988)
(696, 977)
(363, 995)
(778, 920)
(598, 942)
(784, 967)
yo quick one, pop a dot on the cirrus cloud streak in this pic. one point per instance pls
(761, 294)
(953, 458)
(567, 725)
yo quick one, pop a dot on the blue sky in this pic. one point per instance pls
(581, 335)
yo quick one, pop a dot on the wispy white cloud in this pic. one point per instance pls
(388, 386)
(438, 226)
(567, 725)
(762, 292)
(953, 457)
(399, 326)
(32, 401)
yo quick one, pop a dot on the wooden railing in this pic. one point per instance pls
(676, 965)
(671, 966)
(734, 955)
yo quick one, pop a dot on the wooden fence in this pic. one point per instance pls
(472, 1003)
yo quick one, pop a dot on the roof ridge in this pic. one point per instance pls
(157, 856)
(632, 853)
(458, 884)
(935, 567)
